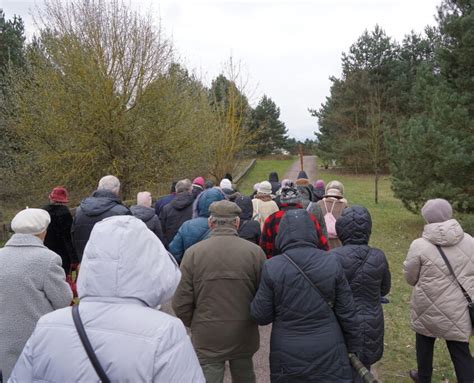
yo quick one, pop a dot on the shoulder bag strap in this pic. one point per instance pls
(87, 345)
(359, 267)
(330, 304)
(466, 295)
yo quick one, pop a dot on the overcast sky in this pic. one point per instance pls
(287, 49)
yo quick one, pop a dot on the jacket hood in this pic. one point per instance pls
(182, 201)
(296, 230)
(205, 199)
(273, 177)
(245, 204)
(124, 259)
(447, 233)
(99, 202)
(142, 212)
(354, 226)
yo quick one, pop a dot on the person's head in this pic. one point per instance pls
(264, 188)
(229, 177)
(437, 210)
(296, 230)
(302, 179)
(59, 195)
(199, 182)
(31, 221)
(290, 194)
(124, 259)
(354, 226)
(255, 187)
(144, 199)
(224, 213)
(285, 182)
(273, 177)
(109, 183)
(245, 204)
(319, 184)
(334, 189)
(209, 184)
(206, 198)
(173, 187)
(225, 184)
(184, 186)
(305, 193)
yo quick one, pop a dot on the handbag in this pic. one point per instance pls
(470, 305)
(87, 345)
(363, 372)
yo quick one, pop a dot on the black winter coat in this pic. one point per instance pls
(273, 179)
(174, 214)
(101, 204)
(148, 216)
(367, 271)
(249, 228)
(308, 343)
(58, 236)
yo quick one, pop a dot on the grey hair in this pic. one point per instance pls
(221, 221)
(183, 186)
(110, 183)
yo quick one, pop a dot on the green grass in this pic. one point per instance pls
(261, 170)
(394, 228)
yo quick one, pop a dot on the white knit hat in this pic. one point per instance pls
(225, 184)
(31, 221)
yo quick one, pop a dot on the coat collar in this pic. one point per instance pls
(224, 230)
(25, 240)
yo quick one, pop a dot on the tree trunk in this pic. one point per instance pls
(376, 187)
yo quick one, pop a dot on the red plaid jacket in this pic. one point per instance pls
(272, 223)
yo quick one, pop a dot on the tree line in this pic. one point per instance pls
(99, 90)
(408, 108)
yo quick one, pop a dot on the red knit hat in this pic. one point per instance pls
(199, 181)
(59, 194)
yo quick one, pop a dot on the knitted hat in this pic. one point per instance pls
(302, 179)
(285, 182)
(255, 186)
(437, 210)
(225, 184)
(319, 184)
(59, 194)
(264, 188)
(290, 194)
(199, 181)
(224, 209)
(31, 221)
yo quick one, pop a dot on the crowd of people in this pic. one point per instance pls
(293, 254)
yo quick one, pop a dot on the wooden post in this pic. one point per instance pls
(301, 157)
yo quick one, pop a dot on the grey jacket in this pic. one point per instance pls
(32, 283)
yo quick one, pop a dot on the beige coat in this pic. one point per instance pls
(265, 208)
(339, 206)
(220, 277)
(438, 307)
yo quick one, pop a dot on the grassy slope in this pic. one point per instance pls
(393, 230)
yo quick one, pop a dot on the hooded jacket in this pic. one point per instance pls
(308, 342)
(196, 229)
(220, 278)
(273, 179)
(125, 273)
(367, 271)
(249, 229)
(147, 215)
(175, 214)
(438, 306)
(32, 283)
(101, 204)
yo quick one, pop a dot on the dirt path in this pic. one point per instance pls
(310, 167)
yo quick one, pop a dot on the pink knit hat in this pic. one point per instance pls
(199, 181)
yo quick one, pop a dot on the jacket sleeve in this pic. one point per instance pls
(67, 236)
(157, 229)
(177, 245)
(346, 314)
(412, 265)
(262, 306)
(23, 370)
(55, 287)
(318, 213)
(266, 240)
(183, 300)
(386, 279)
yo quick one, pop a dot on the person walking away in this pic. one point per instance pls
(290, 200)
(196, 229)
(318, 190)
(263, 205)
(103, 203)
(229, 190)
(143, 210)
(58, 236)
(165, 200)
(438, 305)
(219, 279)
(32, 283)
(126, 272)
(273, 179)
(249, 229)
(315, 324)
(332, 206)
(366, 268)
(178, 211)
(312, 207)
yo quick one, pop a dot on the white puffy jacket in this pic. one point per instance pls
(125, 272)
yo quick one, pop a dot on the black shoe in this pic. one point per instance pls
(414, 375)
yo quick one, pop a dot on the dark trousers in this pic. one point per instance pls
(460, 356)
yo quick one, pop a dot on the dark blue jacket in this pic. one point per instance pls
(162, 202)
(309, 342)
(196, 229)
(367, 271)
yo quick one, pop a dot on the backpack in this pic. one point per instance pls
(330, 221)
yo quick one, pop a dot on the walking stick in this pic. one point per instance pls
(363, 372)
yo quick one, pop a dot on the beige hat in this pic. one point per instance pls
(264, 187)
(224, 209)
(31, 221)
(336, 193)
